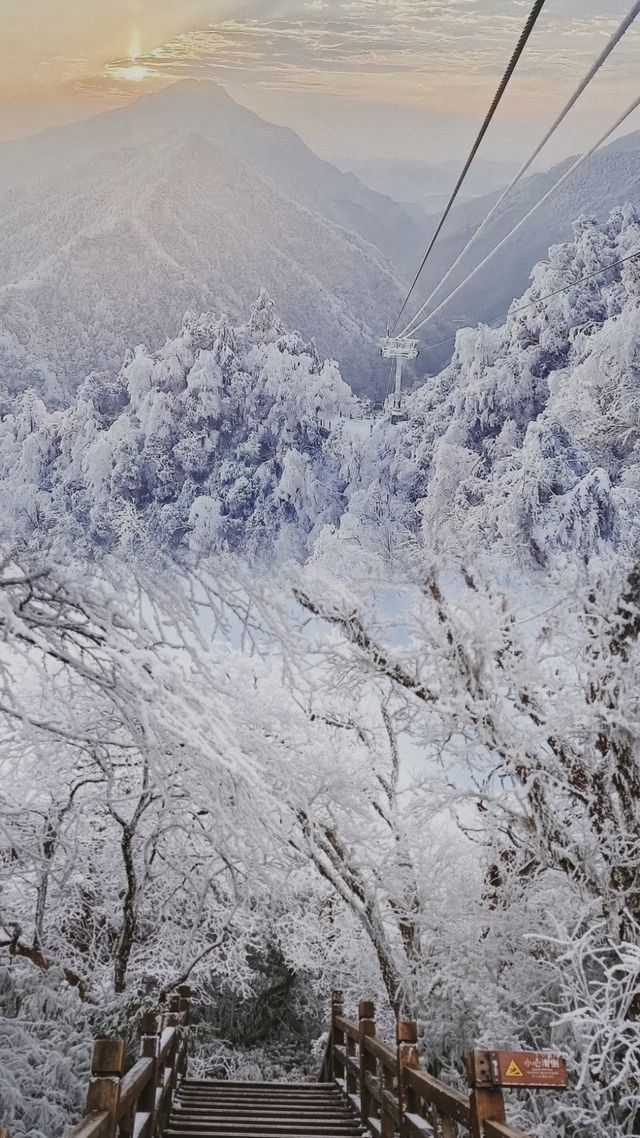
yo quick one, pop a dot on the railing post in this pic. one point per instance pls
(173, 1018)
(161, 1023)
(337, 1009)
(166, 1069)
(184, 992)
(149, 1045)
(107, 1065)
(487, 1101)
(368, 1065)
(174, 1058)
(408, 1058)
(351, 1078)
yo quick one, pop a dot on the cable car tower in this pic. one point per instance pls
(398, 348)
(402, 347)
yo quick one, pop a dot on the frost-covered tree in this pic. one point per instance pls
(122, 774)
(527, 723)
(240, 438)
(527, 443)
(216, 442)
(546, 406)
(430, 791)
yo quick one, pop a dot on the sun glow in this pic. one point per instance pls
(134, 74)
(133, 71)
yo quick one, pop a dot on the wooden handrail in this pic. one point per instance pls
(398, 1099)
(137, 1104)
(133, 1084)
(348, 1027)
(448, 1101)
(380, 1051)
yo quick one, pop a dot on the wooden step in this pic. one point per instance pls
(220, 1109)
(247, 1096)
(257, 1092)
(262, 1096)
(265, 1108)
(284, 1130)
(290, 1101)
(196, 1122)
(245, 1084)
(280, 1126)
(269, 1104)
(260, 1104)
(265, 1126)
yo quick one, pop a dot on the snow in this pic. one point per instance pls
(293, 697)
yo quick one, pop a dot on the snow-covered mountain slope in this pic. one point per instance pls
(274, 153)
(526, 447)
(219, 441)
(107, 257)
(609, 178)
(111, 229)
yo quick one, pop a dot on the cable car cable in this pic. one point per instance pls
(542, 201)
(580, 89)
(513, 63)
(543, 299)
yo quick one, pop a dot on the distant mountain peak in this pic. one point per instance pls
(187, 199)
(188, 90)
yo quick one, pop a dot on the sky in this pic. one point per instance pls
(399, 79)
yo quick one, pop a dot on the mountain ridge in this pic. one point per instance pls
(181, 221)
(285, 159)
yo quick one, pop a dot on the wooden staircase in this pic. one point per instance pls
(365, 1087)
(248, 1110)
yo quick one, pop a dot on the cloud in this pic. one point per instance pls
(414, 51)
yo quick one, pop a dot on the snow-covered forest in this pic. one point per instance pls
(297, 696)
(240, 438)
(375, 766)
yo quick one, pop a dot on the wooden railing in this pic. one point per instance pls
(137, 1104)
(394, 1096)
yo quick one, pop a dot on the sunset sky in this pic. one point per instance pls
(404, 78)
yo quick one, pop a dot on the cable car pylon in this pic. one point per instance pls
(398, 348)
(402, 347)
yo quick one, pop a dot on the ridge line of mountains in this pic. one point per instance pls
(111, 228)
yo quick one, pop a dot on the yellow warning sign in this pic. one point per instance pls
(513, 1071)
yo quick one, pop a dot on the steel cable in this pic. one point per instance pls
(556, 186)
(513, 63)
(580, 89)
(541, 300)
